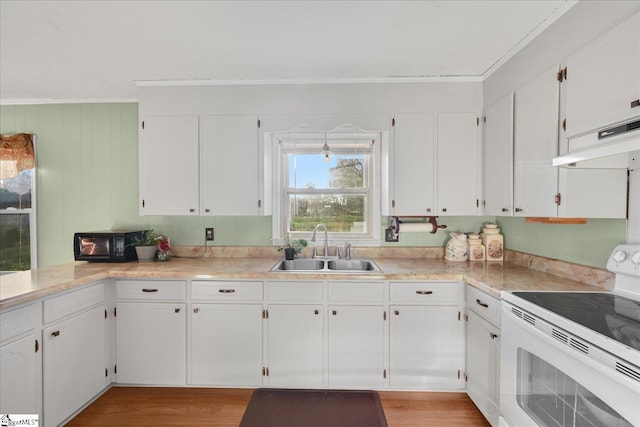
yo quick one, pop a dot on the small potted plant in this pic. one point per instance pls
(292, 247)
(146, 245)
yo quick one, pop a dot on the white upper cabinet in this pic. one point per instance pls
(413, 165)
(169, 165)
(498, 158)
(535, 145)
(229, 165)
(603, 80)
(457, 163)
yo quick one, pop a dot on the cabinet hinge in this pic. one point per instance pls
(393, 203)
(466, 378)
(477, 121)
(564, 125)
(459, 316)
(484, 203)
(265, 314)
(384, 374)
(384, 315)
(143, 203)
(458, 373)
(466, 317)
(477, 203)
(558, 199)
(37, 346)
(562, 75)
(393, 122)
(115, 311)
(115, 369)
(143, 124)
(484, 119)
(259, 203)
(106, 372)
(259, 123)
(105, 313)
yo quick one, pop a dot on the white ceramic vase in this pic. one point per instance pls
(457, 248)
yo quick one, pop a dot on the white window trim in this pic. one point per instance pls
(279, 176)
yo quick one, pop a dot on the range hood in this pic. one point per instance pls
(613, 143)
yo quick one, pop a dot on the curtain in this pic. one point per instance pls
(16, 154)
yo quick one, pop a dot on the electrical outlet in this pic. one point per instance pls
(208, 233)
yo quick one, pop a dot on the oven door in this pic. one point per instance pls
(544, 382)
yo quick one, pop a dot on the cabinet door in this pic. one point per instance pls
(413, 165)
(18, 388)
(74, 368)
(425, 347)
(229, 165)
(483, 351)
(535, 145)
(169, 165)
(150, 343)
(226, 344)
(457, 163)
(593, 193)
(295, 350)
(356, 346)
(498, 158)
(603, 80)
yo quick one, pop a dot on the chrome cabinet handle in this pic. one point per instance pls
(226, 291)
(424, 292)
(149, 290)
(482, 304)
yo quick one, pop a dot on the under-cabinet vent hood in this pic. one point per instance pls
(612, 142)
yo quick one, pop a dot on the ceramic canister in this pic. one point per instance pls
(457, 248)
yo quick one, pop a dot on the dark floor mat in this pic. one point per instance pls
(313, 408)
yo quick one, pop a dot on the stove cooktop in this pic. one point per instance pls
(611, 315)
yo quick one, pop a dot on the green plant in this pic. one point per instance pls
(148, 238)
(296, 244)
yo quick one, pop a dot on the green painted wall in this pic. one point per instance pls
(88, 180)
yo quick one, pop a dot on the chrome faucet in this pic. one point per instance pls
(326, 239)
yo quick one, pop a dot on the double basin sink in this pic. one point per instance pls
(315, 265)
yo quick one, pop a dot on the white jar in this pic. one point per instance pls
(494, 244)
(477, 251)
(457, 248)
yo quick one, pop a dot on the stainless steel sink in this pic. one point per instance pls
(304, 264)
(314, 265)
(352, 265)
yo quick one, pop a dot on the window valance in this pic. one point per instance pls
(17, 153)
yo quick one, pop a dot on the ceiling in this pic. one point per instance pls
(98, 50)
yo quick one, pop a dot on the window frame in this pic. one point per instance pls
(314, 137)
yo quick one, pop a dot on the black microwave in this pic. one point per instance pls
(105, 246)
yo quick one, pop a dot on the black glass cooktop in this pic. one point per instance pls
(611, 315)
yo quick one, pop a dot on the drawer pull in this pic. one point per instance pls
(226, 291)
(493, 336)
(149, 290)
(424, 292)
(176, 310)
(396, 312)
(316, 312)
(55, 333)
(482, 304)
(334, 312)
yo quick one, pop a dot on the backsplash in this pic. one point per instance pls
(88, 180)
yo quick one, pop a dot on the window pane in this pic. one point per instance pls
(340, 213)
(312, 171)
(15, 247)
(16, 192)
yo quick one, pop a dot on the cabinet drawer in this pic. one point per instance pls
(356, 291)
(294, 291)
(226, 290)
(73, 302)
(16, 322)
(484, 305)
(151, 289)
(425, 292)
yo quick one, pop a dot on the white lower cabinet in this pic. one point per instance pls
(425, 336)
(295, 345)
(356, 346)
(483, 352)
(151, 343)
(74, 363)
(19, 359)
(226, 344)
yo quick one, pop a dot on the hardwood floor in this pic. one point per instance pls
(151, 406)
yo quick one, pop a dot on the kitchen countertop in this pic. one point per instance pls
(491, 277)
